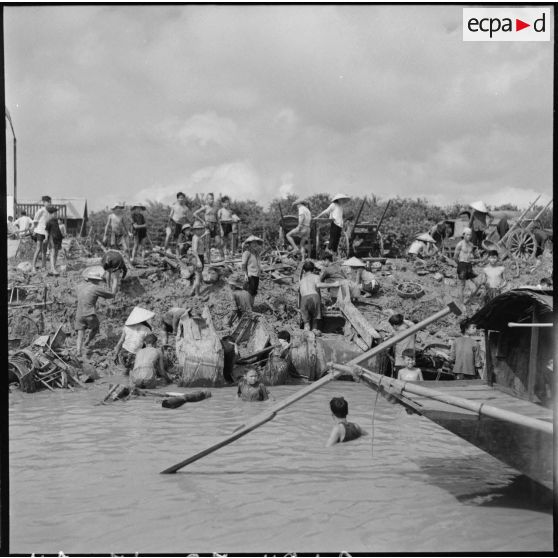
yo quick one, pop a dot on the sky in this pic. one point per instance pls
(135, 103)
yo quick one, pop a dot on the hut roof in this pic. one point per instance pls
(514, 306)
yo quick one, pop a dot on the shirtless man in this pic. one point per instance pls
(118, 229)
(180, 214)
(209, 214)
(463, 255)
(494, 274)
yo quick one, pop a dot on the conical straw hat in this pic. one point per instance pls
(138, 315)
(94, 272)
(298, 200)
(425, 237)
(253, 238)
(354, 262)
(341, 197)
(479, 206)
(198, 225)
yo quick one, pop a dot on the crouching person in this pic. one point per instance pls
(133, 335)
(149, 368)
(86, 314)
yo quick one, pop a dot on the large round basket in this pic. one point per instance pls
(409, 289)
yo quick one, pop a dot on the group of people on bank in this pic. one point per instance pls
(208, 226)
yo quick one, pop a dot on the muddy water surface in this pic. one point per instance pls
(85, 479)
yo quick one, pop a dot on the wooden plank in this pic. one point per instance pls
(360, 324)
(533, 353)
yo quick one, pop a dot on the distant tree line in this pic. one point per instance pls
(404, 218)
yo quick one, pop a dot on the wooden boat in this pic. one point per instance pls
(509, 413)
(199, 351)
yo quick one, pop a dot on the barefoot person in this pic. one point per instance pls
(118, 229)
(53, 237)
(495, 279)
(463, 255)
(302, 231)
(139, 230)
(209, 214)
(335, 212)
(86, 313)
(251, 264)
(225, 217)
(39, 232)
(180, 214)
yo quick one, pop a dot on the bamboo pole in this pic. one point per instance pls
(269, 415)
(481, 409)
(518, 222)
(518, 324)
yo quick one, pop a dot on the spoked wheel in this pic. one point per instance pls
(343, 248)
(23, 327)
(522, 244)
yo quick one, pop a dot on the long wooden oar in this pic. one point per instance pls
(269, 415)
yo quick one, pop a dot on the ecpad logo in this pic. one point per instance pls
(507, 24)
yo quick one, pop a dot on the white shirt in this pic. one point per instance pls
(335, 212)
(41, 218)
(135, 334)
(23, 223)
(417, 247)
(304, 216)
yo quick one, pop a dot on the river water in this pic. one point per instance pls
(85, 479)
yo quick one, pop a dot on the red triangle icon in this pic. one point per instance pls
(519, 25)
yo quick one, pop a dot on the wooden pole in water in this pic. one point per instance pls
(269, 415)
(481, 409)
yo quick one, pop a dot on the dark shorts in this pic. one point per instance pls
(202, 260)
(37, 237)
(227, 228)
(87, 322)
(116, 240)
(167, 328)
(140, 234)
(56, 243)
(310, 308)
(213, 229)
(465, 271)
(252, 285)
(176, 229)
(334, 236)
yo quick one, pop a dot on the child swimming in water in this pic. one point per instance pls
(250, 388)
(343, 431)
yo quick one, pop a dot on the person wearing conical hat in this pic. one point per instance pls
(302, 230)
(118, 229)
(356, 267)
(135, 329)
(479, 222)
(139, 229)
(251, 264)
(88, 293)
(335, 212)
(423, 246)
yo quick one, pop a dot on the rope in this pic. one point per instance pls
(374, 415)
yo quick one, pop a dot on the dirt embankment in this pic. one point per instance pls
(159, 287)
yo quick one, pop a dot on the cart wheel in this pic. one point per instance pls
(344, 246)
(522, 244)
(23, 327)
